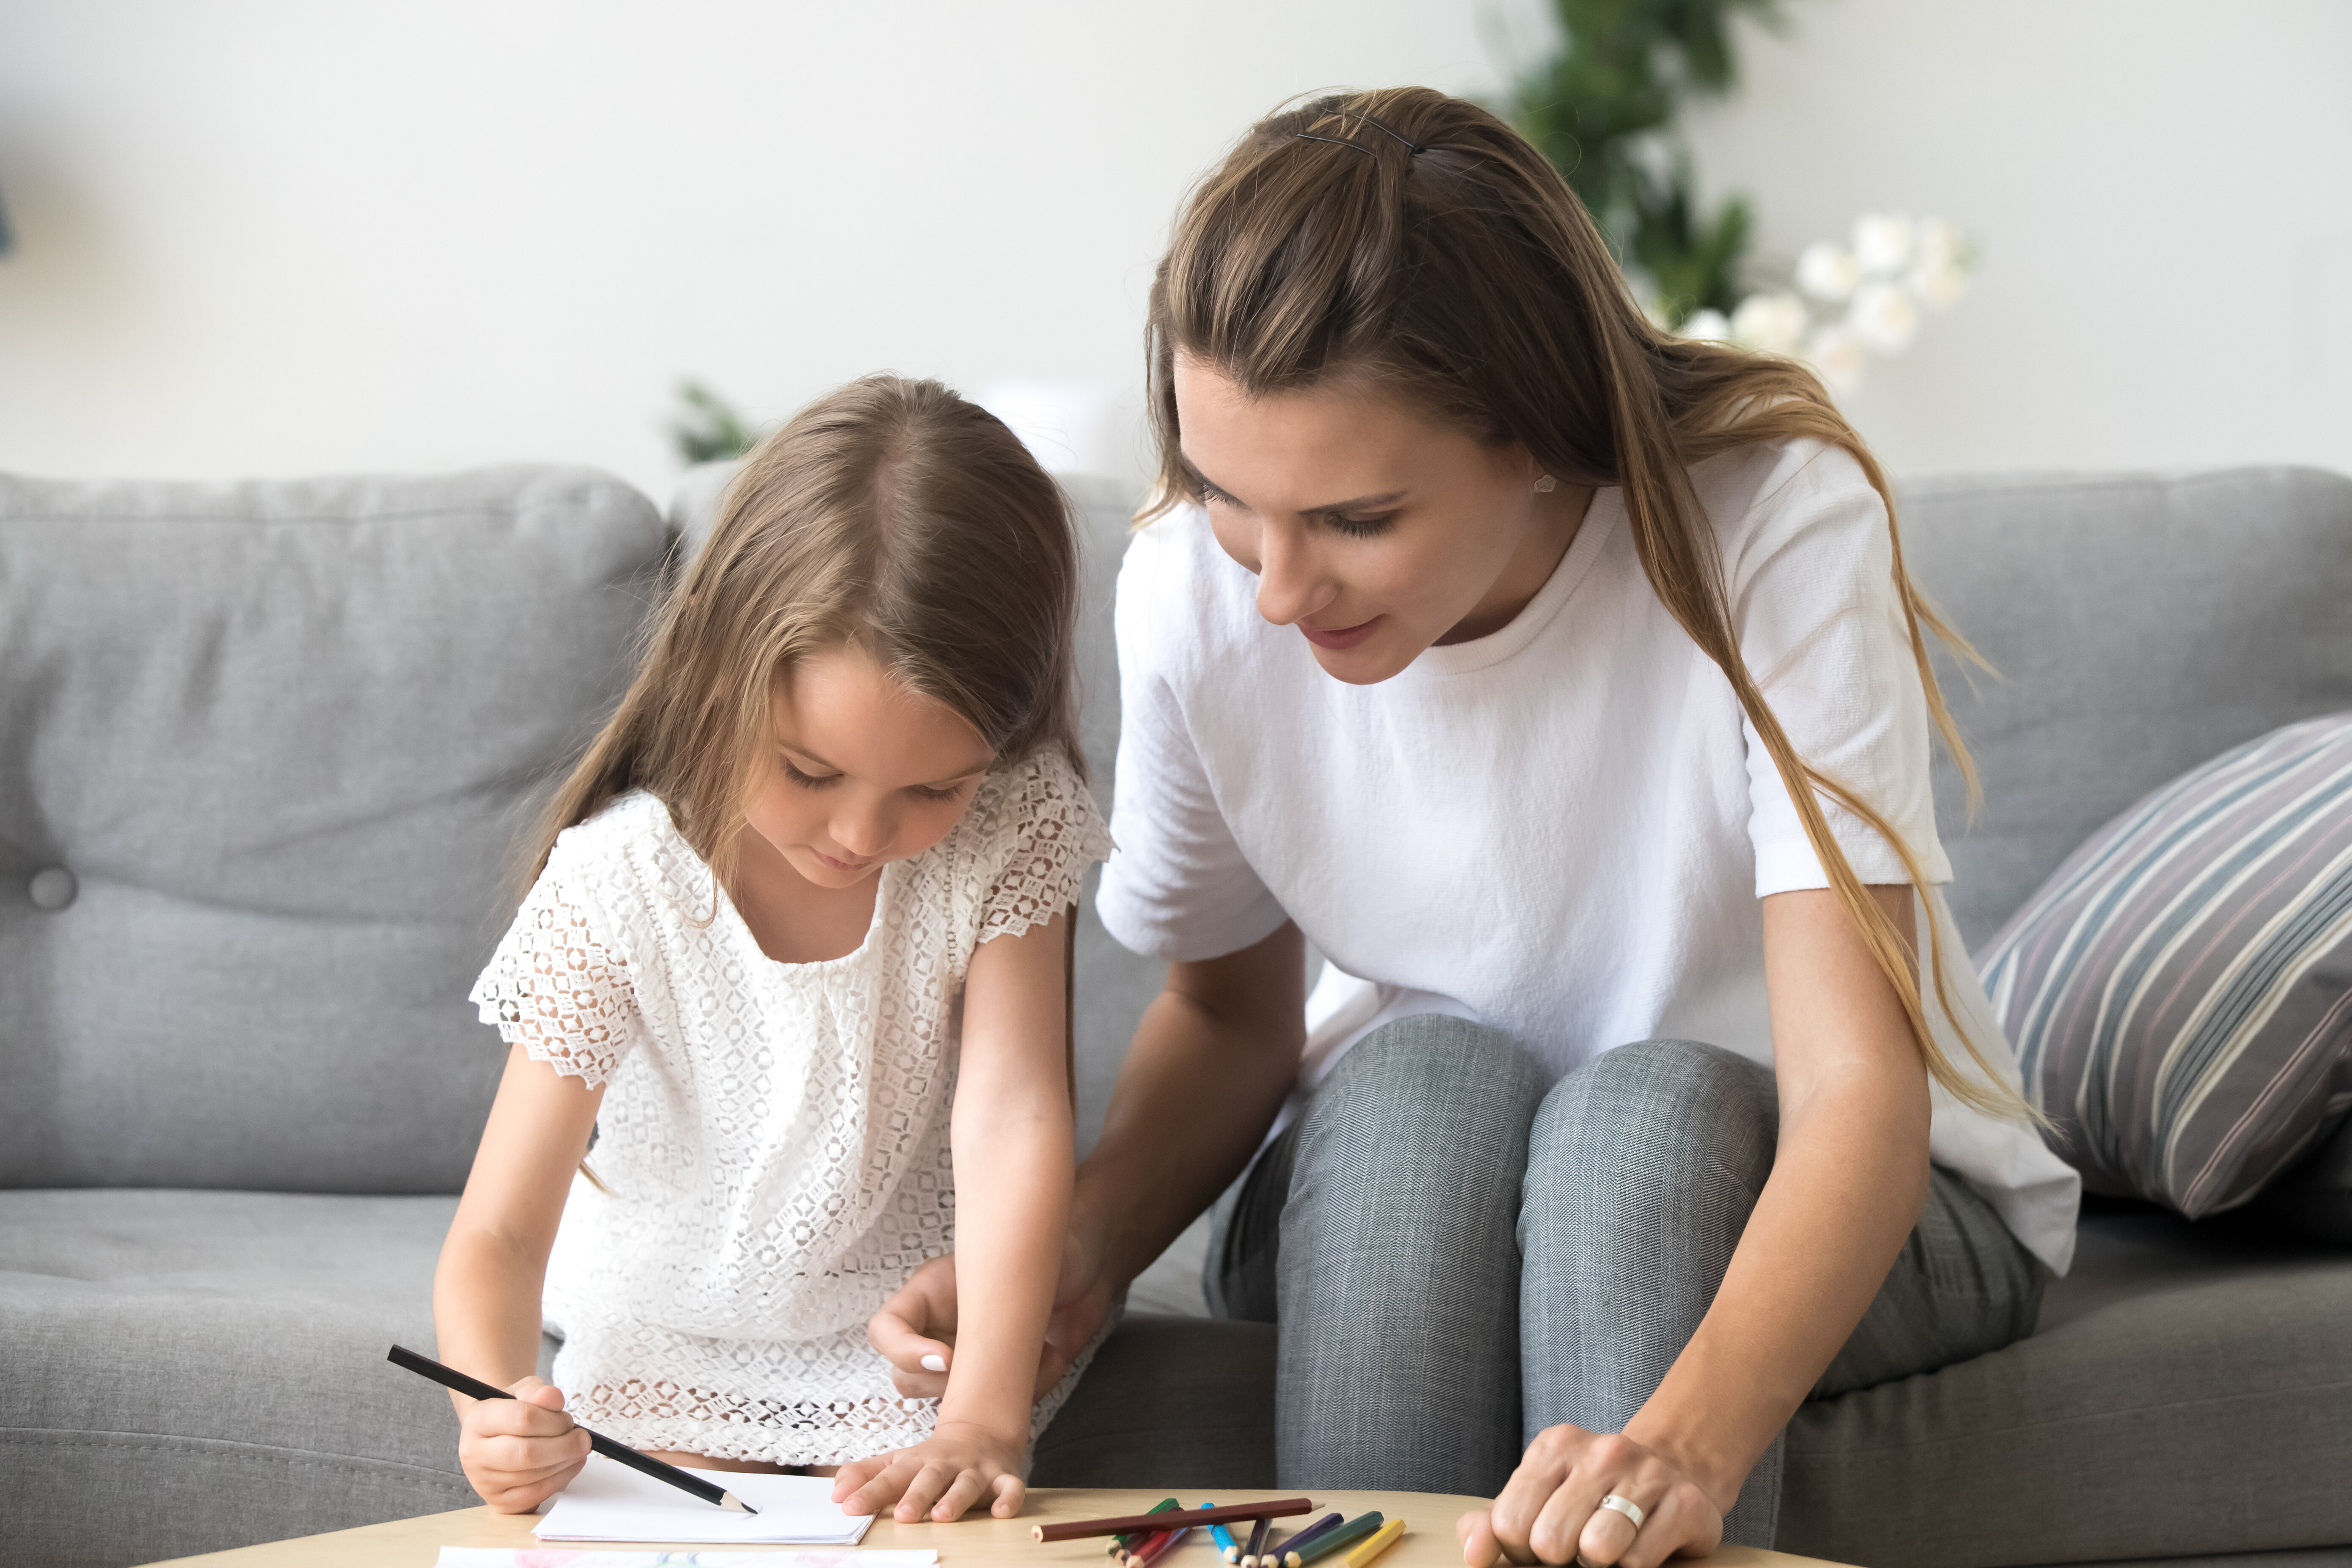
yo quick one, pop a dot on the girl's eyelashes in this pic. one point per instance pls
(808, 781)
(811, 781)
(1360, 527)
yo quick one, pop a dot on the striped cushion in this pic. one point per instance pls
(2179, 992)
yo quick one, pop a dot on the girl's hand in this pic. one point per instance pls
(1551, 1510)
(518, 1452)
(915, 1329)
(958, 1464)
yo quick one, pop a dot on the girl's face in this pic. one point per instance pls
(864, 770)
(1372, 528)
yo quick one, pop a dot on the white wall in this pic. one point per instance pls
(274, 236)
(278, 237)
(2163, 190)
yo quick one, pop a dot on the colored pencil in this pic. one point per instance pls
(1331, 1540)
(1118, 1549)
(1257, 1543)
(1161, 1544)
(450, 1377)
(1225, 1541)
(1274, 1555)
(1381, 1541)
(1144, 1542)
(1178, 1519)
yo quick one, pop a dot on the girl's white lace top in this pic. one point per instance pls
(775, 1136)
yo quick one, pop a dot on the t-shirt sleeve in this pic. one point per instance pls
(1048, 834)
(1178, 886)
(559, 986)
(1821, 627)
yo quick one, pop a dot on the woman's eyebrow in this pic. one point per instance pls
(1358, 503)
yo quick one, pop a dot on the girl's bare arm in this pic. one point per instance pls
(1014, 1159)
(486, 1292)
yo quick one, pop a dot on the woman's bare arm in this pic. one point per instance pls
(1849, 1178)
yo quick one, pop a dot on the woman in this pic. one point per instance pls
(1560, 681)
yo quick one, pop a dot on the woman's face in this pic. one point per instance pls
(1373, 530)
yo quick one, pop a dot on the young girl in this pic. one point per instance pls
(807, 891)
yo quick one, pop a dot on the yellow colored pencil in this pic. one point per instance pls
(1380, 1540)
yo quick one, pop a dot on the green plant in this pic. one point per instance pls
(708, 427)
(1602, 109)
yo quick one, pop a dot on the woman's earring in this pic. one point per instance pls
(1546, 484)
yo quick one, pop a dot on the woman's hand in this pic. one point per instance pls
(518, 1452)
(958, 1464)
(1551, 1510)
(915, 1330)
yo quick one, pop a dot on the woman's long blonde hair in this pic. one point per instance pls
(890, 516)
(1416, 243)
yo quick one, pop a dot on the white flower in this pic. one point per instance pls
(1834, 353)
(1881, 242)
(1937, 243)
(1771, 322)
(1709, 325)
(1938, 283)
(1883, 318)
(1827, 270)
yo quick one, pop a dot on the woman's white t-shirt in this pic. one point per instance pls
(1561, 830)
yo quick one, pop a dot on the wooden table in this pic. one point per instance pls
(977, 1541)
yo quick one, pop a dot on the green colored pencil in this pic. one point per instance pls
(1331, 1540)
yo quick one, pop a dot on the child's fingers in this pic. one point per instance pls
(961, 1493)
(883, 1487)
(1477, 1534)
(1010, 1496)
(924, 1492)
(856, 1474)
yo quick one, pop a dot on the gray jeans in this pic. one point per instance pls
(1458, 1258)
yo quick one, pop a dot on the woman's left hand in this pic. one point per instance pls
(1551, 1510)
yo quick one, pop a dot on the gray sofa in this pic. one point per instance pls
(263, 749)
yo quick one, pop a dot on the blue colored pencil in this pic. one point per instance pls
(1226, 1542)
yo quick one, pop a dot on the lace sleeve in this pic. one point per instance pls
(1047, 835)
(559, 986)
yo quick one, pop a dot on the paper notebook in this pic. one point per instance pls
(607, 1501)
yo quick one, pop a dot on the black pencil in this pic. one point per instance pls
(450, 1377)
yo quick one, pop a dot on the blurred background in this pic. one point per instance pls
(274, 237)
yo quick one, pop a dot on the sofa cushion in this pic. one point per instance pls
(2140, 626)
(2189, 1391)
(214, 1361)
(278, 739)
(2179, 992)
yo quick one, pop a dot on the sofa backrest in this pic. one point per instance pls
(2140, 625)
(274, 742)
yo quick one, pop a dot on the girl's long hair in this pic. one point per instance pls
(890, 516)
(1414, 243)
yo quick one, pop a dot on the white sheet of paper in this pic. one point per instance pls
(568, 1557)
(607, 1501)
